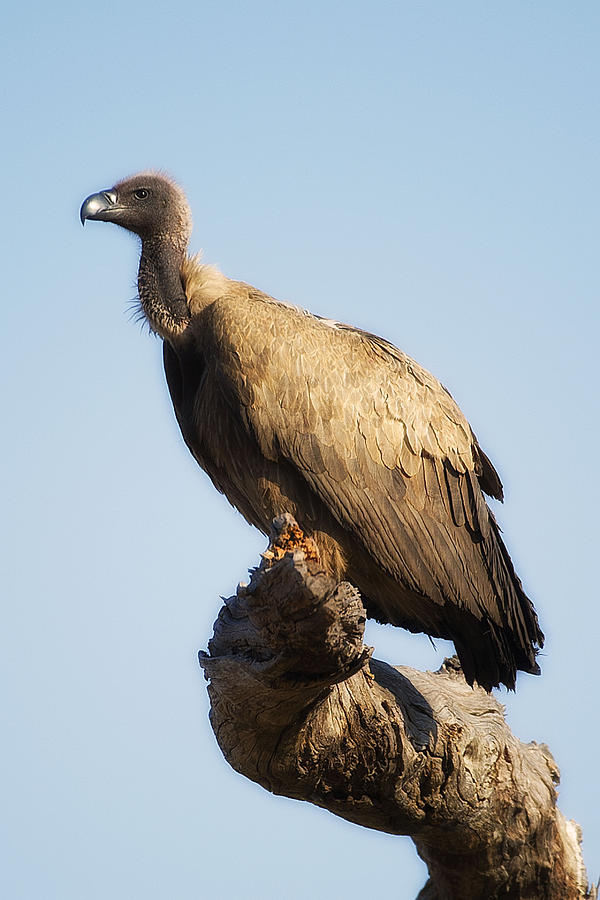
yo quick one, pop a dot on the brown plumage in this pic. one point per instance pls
(288, 412)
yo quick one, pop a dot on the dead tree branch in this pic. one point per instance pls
(299, 706)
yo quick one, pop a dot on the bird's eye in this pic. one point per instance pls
(140, 194)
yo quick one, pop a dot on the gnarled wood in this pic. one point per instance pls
(300, 707)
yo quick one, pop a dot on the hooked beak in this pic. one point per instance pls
(98, 206)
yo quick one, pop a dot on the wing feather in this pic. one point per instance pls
(382, 443)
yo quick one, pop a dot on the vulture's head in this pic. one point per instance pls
(149, 204)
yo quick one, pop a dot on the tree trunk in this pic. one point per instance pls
(300, 707)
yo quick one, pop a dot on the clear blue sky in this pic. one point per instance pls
(426, 170)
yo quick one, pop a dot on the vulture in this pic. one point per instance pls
(291, 412)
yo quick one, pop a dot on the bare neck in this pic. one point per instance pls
(160, 286)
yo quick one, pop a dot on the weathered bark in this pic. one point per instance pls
(300, 707)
